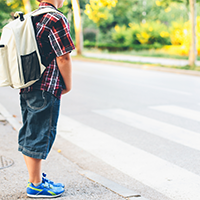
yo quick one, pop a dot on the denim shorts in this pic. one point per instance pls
(40, 112)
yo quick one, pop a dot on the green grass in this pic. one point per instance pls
(145, 53)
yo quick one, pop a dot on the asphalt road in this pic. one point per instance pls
(138, 128)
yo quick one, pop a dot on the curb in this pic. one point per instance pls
(113, 186)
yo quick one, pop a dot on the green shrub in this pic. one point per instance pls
(113, 47)
(147, 33)
(4, 14)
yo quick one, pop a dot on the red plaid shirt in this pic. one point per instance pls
(54, 40)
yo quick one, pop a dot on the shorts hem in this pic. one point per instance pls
(32, 154)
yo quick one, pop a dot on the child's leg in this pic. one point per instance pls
(34, 169)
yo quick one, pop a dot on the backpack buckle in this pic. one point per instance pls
(20, 15)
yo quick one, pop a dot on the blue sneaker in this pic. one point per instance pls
(44, 190)
(44, 180)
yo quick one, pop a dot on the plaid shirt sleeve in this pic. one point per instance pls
(59, 36)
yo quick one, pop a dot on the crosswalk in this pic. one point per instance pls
(161, 129)
(179, 111)
(163, 176)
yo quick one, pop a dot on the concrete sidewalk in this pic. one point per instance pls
(142, 59)
(13, 179)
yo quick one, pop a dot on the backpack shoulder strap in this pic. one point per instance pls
(43, 10)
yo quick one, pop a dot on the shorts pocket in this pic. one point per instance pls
(36, 100)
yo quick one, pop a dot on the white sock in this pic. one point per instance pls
(36, 184)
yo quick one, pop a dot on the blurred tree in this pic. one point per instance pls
(137, 11)
(16, 5)
(27, 6)
(34, 4)
(78, 26)
(191, 4)
(167, 3)
(5, 13)
(193, 49)
(98, 10)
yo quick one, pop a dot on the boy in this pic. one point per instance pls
(40, 102)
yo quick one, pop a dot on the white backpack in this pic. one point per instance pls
(20, 61)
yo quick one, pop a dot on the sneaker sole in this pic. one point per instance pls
(43, 196)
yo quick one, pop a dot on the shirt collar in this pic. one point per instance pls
(46, 4)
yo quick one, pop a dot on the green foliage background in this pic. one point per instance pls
(5, 13)
(125, 13)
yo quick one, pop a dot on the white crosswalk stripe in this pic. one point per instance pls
(161, 129)
(163, 176)
(179, 111)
